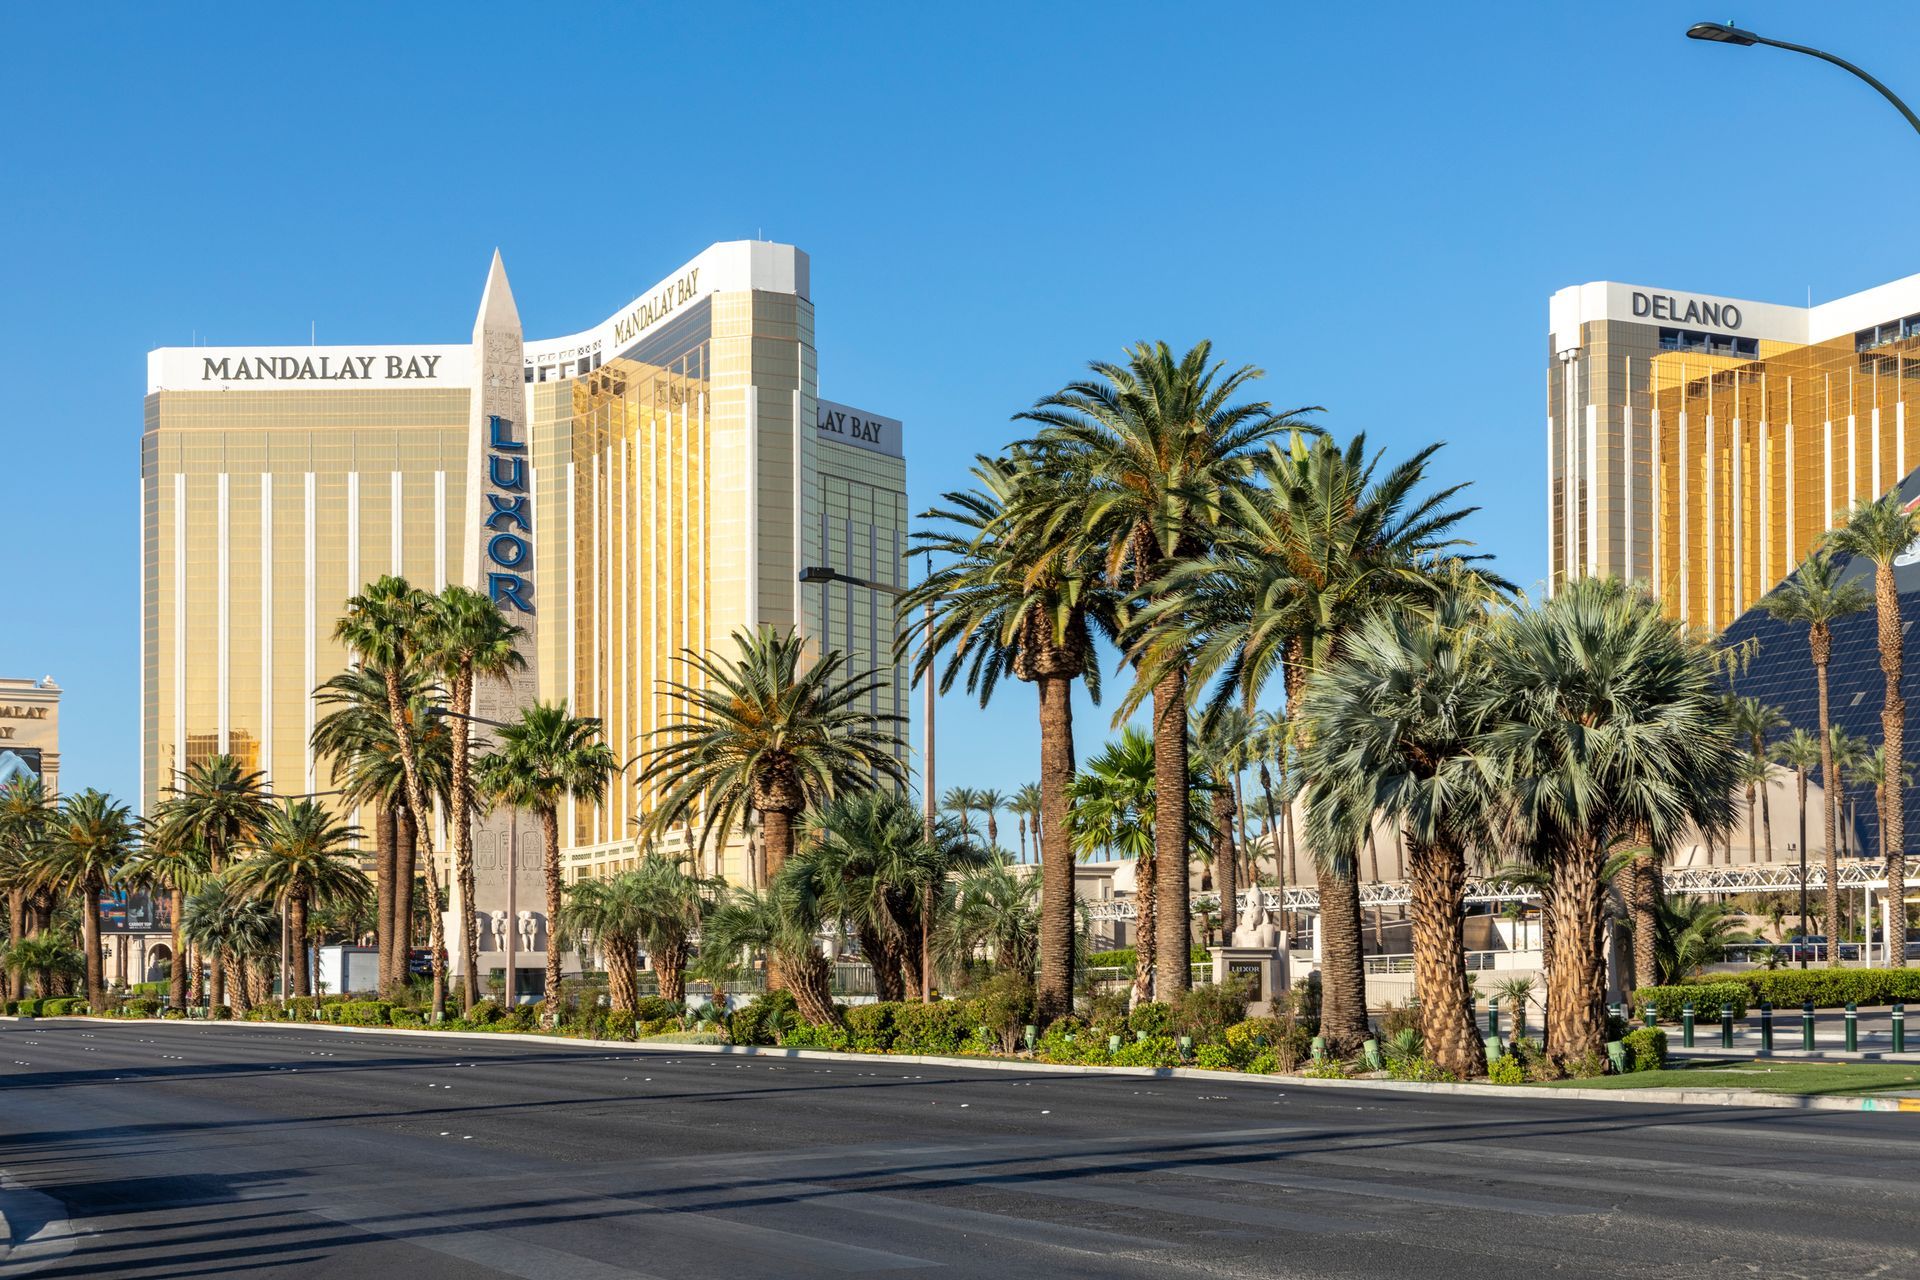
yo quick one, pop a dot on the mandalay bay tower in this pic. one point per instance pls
(626, 493)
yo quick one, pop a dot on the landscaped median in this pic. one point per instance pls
(1782, 988)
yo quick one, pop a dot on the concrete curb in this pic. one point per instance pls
(1679, 1097)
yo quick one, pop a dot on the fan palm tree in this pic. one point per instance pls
(1755, 722)
(995, 909)
(1881, 531)
(1606, 728)
(49, 957)
(1156, 458)
(24, 813)
(781, 922)
(388, 626)
(757, 733)
(1002, 602)
(1801, 752)
(467, 639)
(231, 927)
(672, 900)
(1393, 722)
(1306, 555)
(1816, 595)
(614, 914)
(84, 845)
(164, 864)
(217, 805)
(1025, 806)
(301, 855)
(544, 757)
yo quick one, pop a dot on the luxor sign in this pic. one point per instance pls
(509, 518)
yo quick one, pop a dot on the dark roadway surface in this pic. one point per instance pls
(260, 1151)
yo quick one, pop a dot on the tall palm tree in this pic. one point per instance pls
(1113, 817)
(301, 855)
(1874, 769)
(83, 847)
(1217, 751)
(755, 732)
(1157, 457)
(231, 927)
(467, 639)
(1881, 531)
(1025, 806)
(1756, 721)
(962, 803)
(1393, 721)
(165, 863)
(1816, 595)
(1271, 742)
(613, 913)
(1607, 729)
(1801, 752)
(1003, 602)
(217, 805)
(990, 802)
(781, 922)
(1321, 543)
(24, 813)
(388, 626)
(544, 757)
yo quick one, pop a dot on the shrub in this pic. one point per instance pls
(364, 1013)
(57, 1007)
(1833, 988)
(1128, 958)
(621, 1024)
(403, 1016)
(261, 1013)
(1587, 1066)
(29, 1008)
(1417, 1066)
(1303, 1002)
(654, 1008)
(815, 1035)
(1707, 998)
(1328, 1068)
(870, 1027)
(761, 1019)
(1264, 1063)
(1216, 1057)
(522, 1017)
(486, 1013)
(1111, 1007)
(1287, 1041)
(140, 1008)
(1506, 1069)
(1154, 1051)
(1404, 1017)
(1004, 1006)
(1205, 1012)
(219, 1013)
(1152, 1017)
(940, 1027)
(1646, 1049)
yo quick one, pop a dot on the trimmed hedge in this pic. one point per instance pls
(1707, 997)
(1646, 1049)
(1128, 958)
(1833, 988)
(29, 1008)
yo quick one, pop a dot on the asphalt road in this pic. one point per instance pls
(152, 1152)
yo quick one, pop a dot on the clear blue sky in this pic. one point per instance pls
(1371, 202)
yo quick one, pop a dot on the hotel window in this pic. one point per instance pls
(1717, 344)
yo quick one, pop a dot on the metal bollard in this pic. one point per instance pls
(1806, 1025)
(1493, 1016)
(1853, 1027)
(1899, 1027)
(1726, 1026)
(1650, 1016)
(1613, 1010)
(1766, 1026)
(1686, 1025)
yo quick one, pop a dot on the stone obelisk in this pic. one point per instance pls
(508, 914)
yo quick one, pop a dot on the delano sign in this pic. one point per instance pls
(1664, 306)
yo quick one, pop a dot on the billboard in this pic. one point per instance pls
(135, 912)
(19, 762)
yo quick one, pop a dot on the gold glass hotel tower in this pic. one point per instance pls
(680, 470)
(1703, 444)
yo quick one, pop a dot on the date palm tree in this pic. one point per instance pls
(83, 847)
(1881, 531)
(1000, 602)
(1607, 729)
(1217, 751)
(1816, 595)
(755, 732)
(1756, 721)
(24, 813)
(1394, 725)
(962, 803)
(990, 802)
(1801, 752)
(546, 756)
(1025, 806)
(467, 639)
(781, 922)
(1155, 458)
(166, 864)
(217, 805)
(673, 901)
(613, 913)
(1112, 817)
(232, 928)
(301, 855)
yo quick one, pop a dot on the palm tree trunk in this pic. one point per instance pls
(550, 862)
(1893, 732)
(242, 997)
(1751, 805)
(1055, 991)
(1577, 984)
(1292, 837)
(405, 854)
(90, 939)
(1226, 871)
(461, 788)
(385, 871)
(993, 829)
(810, 979)
(177, 968)
(1273, 843)
(1439, 892)
(1173, 928)
(776, 832)
(1822, 644)
(623, 972)
(437, 935)
(1343, 970)
(1800, 776)
(883, 956)
(670, 964)
(297, 928)
(1646, 919)
(16, 930)
(1146, 945)
(1373, 860)
(1766, 816)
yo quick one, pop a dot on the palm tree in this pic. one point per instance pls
(962, 803)
(1218, 748)
(1025, 806)
(1308, 554)
(216, 805)
(1515, 992)
(467, 639)
(1607, 729)
(614, 914)
(1695, 933)
(1757, 721)
(757, 733)
(544, 757)
(1881, 531)
(1156, 459)
(231, 927)
(782, 923)
(1801, 752)
(1816, 595)
(166, 864)
(301, 855)
(990, 802)
(1393, 722)
(672, 901)
(24, 813)
(1003, 603)
(995, 909)
(49, 957)
(388, 626)
(82, 848)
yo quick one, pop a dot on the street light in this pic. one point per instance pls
(1726, 33)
